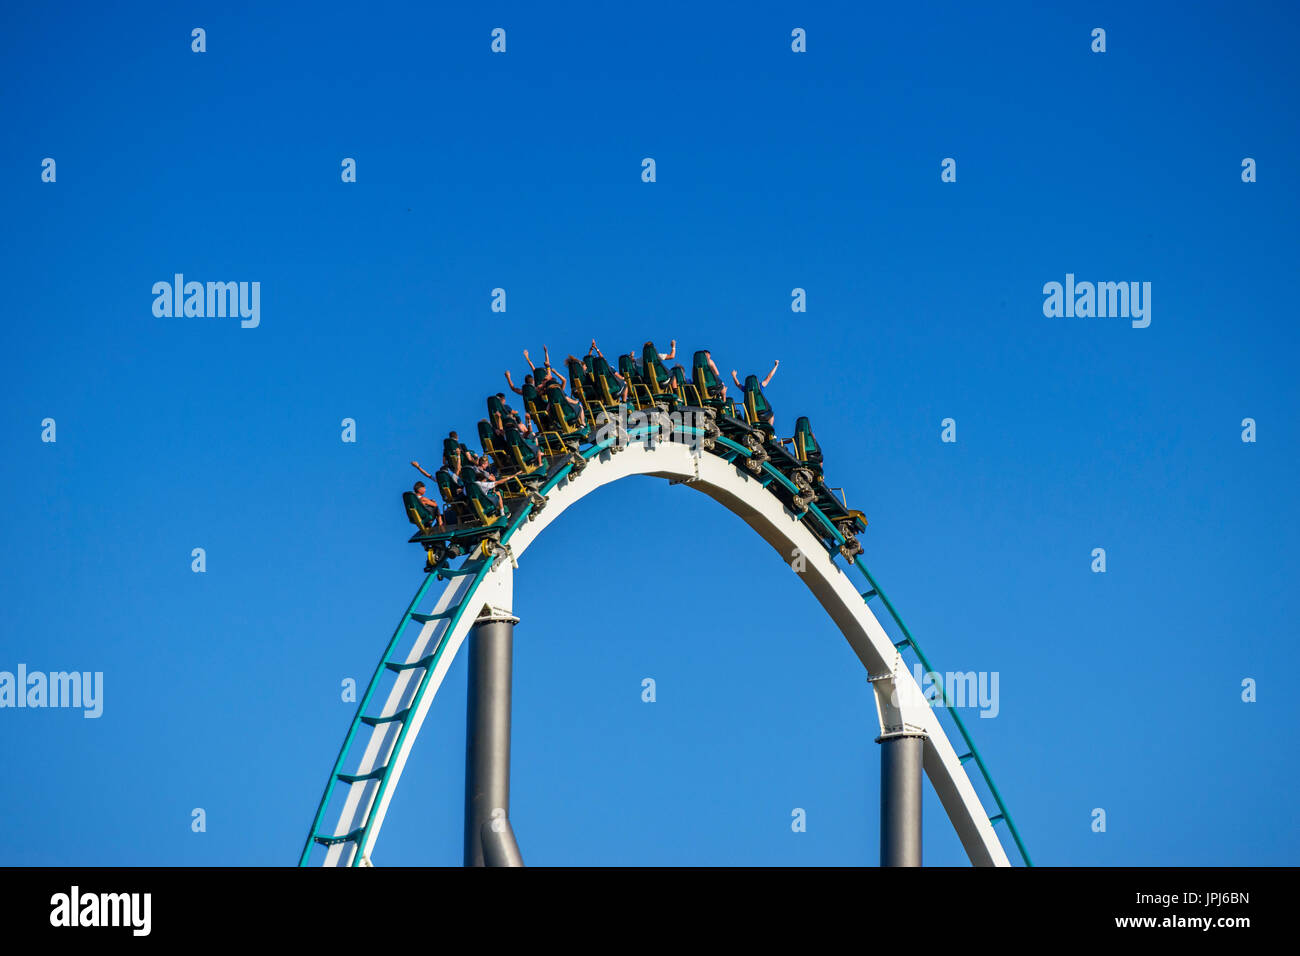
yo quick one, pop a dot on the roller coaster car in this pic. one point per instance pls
(803, 466)
(475, 521)
(426, 524)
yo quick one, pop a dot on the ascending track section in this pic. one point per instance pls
(812, 531)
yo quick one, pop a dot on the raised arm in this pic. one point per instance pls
(736, 379)
(671, 353)
(564, 382)
(530, 362)
(511, 382)
(771, 373)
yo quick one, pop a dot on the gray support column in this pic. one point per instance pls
(901, 756)
(487, 741)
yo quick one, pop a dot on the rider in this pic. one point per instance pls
(652, 362)
(427, 502)
(619, 393)
(755, 388)
(552, 375)
(704, 361)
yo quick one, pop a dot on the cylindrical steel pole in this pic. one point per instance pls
(900, 798)
(487, 736)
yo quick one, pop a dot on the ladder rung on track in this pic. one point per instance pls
(445, 573)
(400, 666)
(426, 618)
(376, 721)
(335, 840)
(358, 777)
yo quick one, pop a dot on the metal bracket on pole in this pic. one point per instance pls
(902, 752)
(489, 838)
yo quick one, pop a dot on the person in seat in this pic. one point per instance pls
(450, 486)
(433, 516)
(530, 453)
(599, 366)
(503, 417)
(754, 400)
(656, 374)
(532, 400)
(563, 404)
(579, 374)
(544, 379)
(708, 380)
(456, 455)
(631, 371)
(487, 485)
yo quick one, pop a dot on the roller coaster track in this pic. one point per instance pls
(417, 664)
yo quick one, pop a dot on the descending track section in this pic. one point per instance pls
(415, 661)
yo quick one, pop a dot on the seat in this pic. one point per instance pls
(419, 513)
(656, 376)
(806, 448)
(564, 417)
(630, 371)
(496, 413)
(758, 413)
(456, 509)
(523, 456)
(608, 387)
(706, 383)
(494, 448)
(484, 506)
(451, 447)
(535, 405)
(579, 377)
(588, 399)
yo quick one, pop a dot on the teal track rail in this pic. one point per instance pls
(477, 567)
(480, 570)
(972, 752)
(336, 774)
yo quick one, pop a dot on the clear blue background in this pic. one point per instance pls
(775, 170)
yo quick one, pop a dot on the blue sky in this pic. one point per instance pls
(775, 170)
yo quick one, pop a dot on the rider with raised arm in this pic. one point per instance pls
(543, 382)
(704, 360)
(619, 394)
(752, 386)
(655, 372)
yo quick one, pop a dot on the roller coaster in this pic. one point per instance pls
(642, 420)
